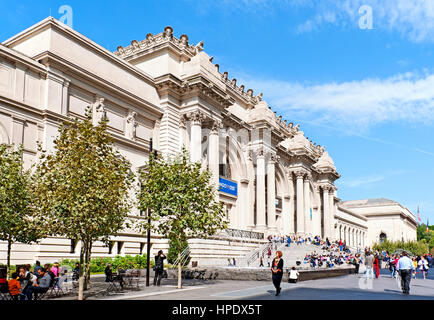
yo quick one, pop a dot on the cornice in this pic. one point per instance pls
(15, 56)
(160, 41)
(197, 85)
(62, 28)
(61, 63)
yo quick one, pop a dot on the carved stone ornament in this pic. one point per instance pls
(299, 174)
(216, 126)
(168, 32)
(197, 117)
(199, 47)
(97, 111)
(184, 40)
(130, 129)
(183, 121)
(326, 188)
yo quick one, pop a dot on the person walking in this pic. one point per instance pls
(423, 266)
(369, 262)
(277, 271)
(159, 267)
(357, 263)
(415, 267)
(405, 267)
(376, 265)
(261, 262)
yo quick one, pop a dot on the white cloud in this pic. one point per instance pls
(353, 105)
(361, 181)
(412, 19)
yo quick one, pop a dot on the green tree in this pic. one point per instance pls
(17, 223)
(83, 188)
(174, 248)
(181, 199)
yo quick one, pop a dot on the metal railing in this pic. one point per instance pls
(185, 254)
(236, 233)
(262, 251)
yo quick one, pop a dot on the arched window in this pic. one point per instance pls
(383, 237)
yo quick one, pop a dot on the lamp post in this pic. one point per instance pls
(148, 232)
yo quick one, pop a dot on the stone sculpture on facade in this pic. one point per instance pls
(130, 129)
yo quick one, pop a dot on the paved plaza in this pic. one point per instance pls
(350, 287)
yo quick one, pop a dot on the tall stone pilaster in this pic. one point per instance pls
(300, 202)
(196, 118)
(271, 194)
(260, 191)
(213, 152)
(326, 208)
(306, 193)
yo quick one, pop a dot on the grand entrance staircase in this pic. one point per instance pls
(291, 254)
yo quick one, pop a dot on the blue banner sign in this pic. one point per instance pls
(228, 186)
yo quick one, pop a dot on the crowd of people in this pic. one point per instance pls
(26, 284)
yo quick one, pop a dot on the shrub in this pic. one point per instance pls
(98, 264)
(413, 247)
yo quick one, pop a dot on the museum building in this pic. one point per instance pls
(272, 179)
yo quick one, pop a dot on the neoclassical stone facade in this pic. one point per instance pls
(272, 178)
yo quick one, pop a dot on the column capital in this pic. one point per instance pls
(308, 176)
(197, 117)
(215, 126)
(299, 174)
(274, 158)
(326, 188)
(261, 153)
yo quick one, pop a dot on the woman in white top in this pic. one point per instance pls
(423, 266)
(293, 275)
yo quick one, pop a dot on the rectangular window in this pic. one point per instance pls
(120, 246)
(110, 246)
(73, 245)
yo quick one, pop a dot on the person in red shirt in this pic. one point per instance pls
(277, 271)
(376, 266)
(14, 286)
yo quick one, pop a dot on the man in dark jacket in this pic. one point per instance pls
(159, 267)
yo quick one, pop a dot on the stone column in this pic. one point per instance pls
(271, 194)
(260, 191)
(213, 153)
(332, 212)
(306, 193)
(300, 200)
(244, 209)
(196, 136)
(287, 225)
(326, 207)
(182, 132)
(251, 191)
(65, 94)
(291, 205)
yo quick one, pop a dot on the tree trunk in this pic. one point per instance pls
(8, 264)
(88, 257)
(179, 270)
(81, 275)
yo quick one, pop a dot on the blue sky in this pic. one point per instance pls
(366, 94)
